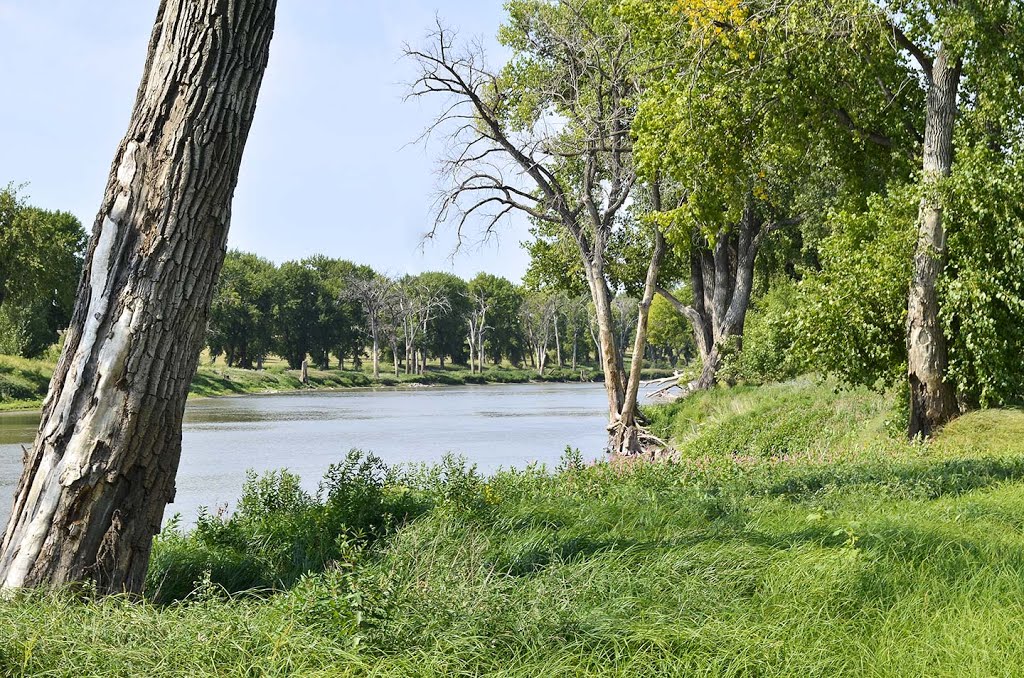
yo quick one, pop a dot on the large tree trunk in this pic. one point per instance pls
(103, 465)
(611, 363)
(932, 401)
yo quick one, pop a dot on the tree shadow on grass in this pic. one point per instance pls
(926, 480)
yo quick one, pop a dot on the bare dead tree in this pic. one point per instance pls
(570, 164)
(477, 319)
(375, 293)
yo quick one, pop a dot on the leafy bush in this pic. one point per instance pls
(279, 532)
(769, 337)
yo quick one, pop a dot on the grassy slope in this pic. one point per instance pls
(23, 382)
(795, 537)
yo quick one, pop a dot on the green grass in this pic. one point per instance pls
(794, 536)
(23, 382)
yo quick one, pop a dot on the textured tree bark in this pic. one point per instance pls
(932, 400)
(103, 465)
(722, 281)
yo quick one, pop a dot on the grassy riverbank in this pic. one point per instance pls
(796, 536)
(23, 382)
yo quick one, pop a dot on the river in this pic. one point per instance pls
(492, 426)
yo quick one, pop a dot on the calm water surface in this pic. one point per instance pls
(492, 426)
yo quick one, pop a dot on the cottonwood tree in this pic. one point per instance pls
(103, 464)
(242, 310)
(742, 115)
(548, 136)
(969, 56)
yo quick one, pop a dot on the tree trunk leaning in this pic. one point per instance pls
(103, 464)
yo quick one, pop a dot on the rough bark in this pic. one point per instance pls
(721, 280)
(932, 400)
(103, 464)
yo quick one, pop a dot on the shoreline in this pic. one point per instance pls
(229, 381)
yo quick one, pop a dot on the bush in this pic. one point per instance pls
(279, 532)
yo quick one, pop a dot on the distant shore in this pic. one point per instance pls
(23, 382)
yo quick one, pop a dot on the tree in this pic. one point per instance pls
(548, 137)
(40, 262)
(375, 294)
(480, 303)
(537, 317)
(297, 312)
(445, 330)
(669, 332)
(103, 465)
(741, 119)
(969, 55)
(503, 338)
(241, 314)
(418, 302)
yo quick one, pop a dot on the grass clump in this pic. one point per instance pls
(851, 553)
(23, 382)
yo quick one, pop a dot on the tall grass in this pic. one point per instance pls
(850, 553)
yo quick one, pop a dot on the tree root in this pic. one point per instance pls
(636, 442)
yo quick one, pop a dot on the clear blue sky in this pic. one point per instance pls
(327, 168)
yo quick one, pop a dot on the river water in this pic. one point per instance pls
(492, 426)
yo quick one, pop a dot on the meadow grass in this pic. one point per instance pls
(794, 535)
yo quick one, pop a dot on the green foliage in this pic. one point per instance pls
(446, 331)
(242, 311)
(503, 337)
(982, 291)
(849, 319)
(769, 337)
(311, 317)
(40, 263)
(669, 332)
(279, 532)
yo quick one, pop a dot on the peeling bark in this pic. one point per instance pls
(103, 465)
(932, 400)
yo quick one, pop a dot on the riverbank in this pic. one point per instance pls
(23, 382)
(797, 535)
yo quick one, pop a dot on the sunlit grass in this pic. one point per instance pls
(852, 553)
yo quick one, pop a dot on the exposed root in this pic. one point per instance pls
(636, 441)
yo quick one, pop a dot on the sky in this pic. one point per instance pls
(331, 165)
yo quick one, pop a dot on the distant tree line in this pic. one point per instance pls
(335, 311)
(40, 263)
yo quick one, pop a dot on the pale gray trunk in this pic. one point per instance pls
(103, 464)
(558, 344)
(376, 357)
(626, 437)
(932, 400)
